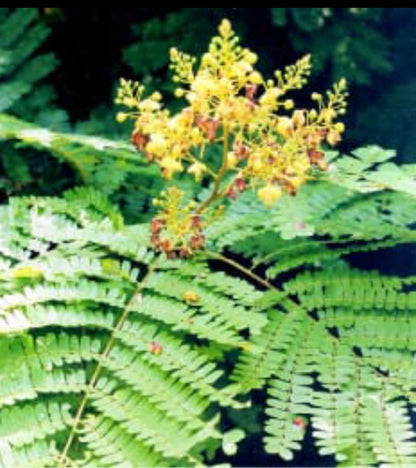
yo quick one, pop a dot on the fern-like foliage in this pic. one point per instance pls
(114, 167)
(113, 356)
(338, 357)
(156, 396)
(338, 348)
(25, 92)
(21, 34)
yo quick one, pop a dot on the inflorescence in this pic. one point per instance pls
(268, 145)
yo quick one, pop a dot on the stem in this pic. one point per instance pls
(102, 357)
(241, 268)
(217, 184)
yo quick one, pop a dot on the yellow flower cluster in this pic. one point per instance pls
(177, 230)
(268, 144)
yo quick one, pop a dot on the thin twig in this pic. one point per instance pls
(102, 357)
(217, 184)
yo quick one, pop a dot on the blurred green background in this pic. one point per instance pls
(59, 68)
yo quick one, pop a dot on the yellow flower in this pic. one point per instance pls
(156, 96)
(327, 115)
(297, 181)
(197, 169)
(289, 104)
(342, 83)
(227, 100)
(157, 144)
(251, 57)
(130, 102)
(333, 137)
(174, 54)
(269, 194)
(285, 126)
(27, 272)
(255, 78)
(255, 162)
(340, 127)
(190, 297)
(225, 28)
(179, 92)
(232, 160)
(121, 117)
(299, 118)
(170, 166)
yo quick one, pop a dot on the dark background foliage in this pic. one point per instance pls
(371, 47)
(82, 53)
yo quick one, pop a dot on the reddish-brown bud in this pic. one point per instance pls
(241, 150)
(314, 139)
(240, 184)
(155, 241)
(289, 188)
(251, 90)
(196, 222)
(299, 422)
(171, 255)
(165, 245)
(198, 241)
(157, 225)
(139, 140)
(315, 156)
(251, 105)
(184, 252)
(208, 125)
(322, 164)
(231, 193)
(155, 348)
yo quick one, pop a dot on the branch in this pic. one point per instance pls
(102, 357)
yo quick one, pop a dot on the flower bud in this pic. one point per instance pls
(155, 348)
(285, 126)
(121, 117)
(190, 297)
(299, 118)
(333, 137)
(269, 194)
